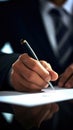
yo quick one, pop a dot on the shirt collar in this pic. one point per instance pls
(67, 6)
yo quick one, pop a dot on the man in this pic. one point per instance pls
(30, 76)
(25, 21)
(33, 29)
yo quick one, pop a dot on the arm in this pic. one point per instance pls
(6, 61)
(28, 74)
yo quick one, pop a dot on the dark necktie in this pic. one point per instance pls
(62, 37)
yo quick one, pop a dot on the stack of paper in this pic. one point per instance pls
(46, 96)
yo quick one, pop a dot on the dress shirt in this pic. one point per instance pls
(45, 7)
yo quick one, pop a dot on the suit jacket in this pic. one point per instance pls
(23, 20)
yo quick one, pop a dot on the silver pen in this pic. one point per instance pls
(34, 56)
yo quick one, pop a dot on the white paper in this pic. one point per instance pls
(46, 96)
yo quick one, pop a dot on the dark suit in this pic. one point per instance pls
(23, 20)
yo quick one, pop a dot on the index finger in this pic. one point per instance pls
(36, 66)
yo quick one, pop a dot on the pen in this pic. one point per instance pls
(22, 41)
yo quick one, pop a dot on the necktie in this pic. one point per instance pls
(56, 15)
(62, 34)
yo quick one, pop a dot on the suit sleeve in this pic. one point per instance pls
(6, 61)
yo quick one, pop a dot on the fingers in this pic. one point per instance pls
(29, 74)
(47, 66)
(21, 84)
(35, 66)
(66, 79)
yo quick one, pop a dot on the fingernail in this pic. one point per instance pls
(48, 79)
(46, 86)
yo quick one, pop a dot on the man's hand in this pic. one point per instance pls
(66, 79)
(28, 74)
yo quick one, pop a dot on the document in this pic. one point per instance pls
(46, 96)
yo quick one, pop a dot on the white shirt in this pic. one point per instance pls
(45, 7)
